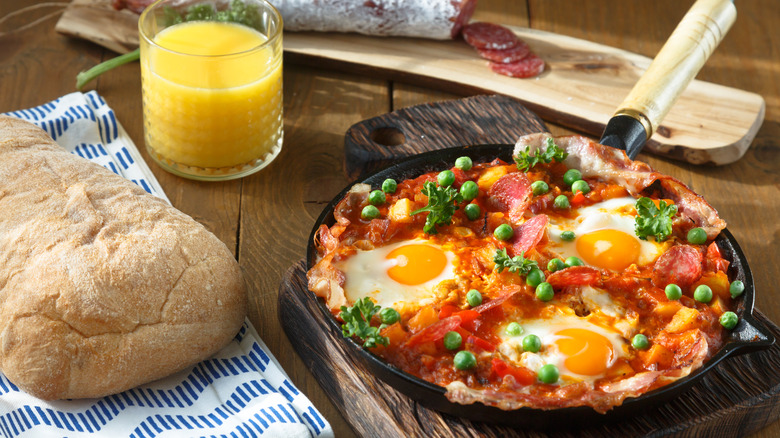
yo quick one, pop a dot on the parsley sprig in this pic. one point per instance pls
(525, 161)
(652, 220)
(357, 322)
(442, 203)
(518, 263)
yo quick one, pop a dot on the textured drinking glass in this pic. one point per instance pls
(212, 86)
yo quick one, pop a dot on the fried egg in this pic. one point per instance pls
(605, 236)
(581, 349)
(399, 274)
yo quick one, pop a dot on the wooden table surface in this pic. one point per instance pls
(266, 218)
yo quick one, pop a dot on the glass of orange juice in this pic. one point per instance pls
(212, 86)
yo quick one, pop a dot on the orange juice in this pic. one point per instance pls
(212, 98)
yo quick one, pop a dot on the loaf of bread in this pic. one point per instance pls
(103, 287)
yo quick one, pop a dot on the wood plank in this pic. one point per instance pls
(581, 88)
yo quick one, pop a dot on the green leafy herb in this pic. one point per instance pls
(357, 322)
(442, 203)
(525, 161)
(652, 220)
(518, 263)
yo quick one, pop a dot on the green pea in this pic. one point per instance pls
(503, 232)
(452, 340)
(514, 329)
(697, 236)
(544, 291)
(369, 212)
(534, 278)
(561, 201)
(571, 176)
(446, 178)
(377, 197)
(464, 163)
(573, 261)
(532, 343)
(729, 320)
(580, 186)
(473, 212)
(702, 294)
(464, 360)
(469, 190)
(568, 236)
(389, 185)
(673, 292)
(539, 187)
(736, 288)
(388, 315)
(640, 342)
(555, 265)
(474, 298)
(548, 374)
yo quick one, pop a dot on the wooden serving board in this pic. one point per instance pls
(737, 397)
(582, 86)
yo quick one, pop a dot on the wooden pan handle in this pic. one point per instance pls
(678, 62)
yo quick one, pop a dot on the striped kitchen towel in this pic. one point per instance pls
(242, 391)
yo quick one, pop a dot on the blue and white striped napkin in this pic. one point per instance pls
(241, 391)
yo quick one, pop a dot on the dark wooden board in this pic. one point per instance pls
(375, 143)
(739, 396)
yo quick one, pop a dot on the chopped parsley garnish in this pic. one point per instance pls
(518, 263)
(652, 220)
(525, 161)
(357, 322)
(442, 203)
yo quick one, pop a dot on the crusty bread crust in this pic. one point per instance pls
(103, 287)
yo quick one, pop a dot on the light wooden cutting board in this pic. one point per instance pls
(582, 85)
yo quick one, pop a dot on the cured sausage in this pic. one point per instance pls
(680, 265)
(574, 276)
(435, 19)
(506, 56)
(511, 194)
(529, 234)
(530, 66)
(482, 35)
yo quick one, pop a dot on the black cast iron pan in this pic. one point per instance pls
(749, 335)
(677, 63)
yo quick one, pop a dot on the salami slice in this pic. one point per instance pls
(528, 235)
(482, 35)
(680, 265)
(506, 56)
(532, 65)
(575, 276)
(435, 331)
(511, 194)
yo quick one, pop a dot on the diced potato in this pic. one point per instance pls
(621, 368)
(717, 281)
(463, 231)
(657, 357)
(395, 333)
(490, 176)
(684, 319)
(718, 305)
(400, 211)
(425, 317)
(667, 309)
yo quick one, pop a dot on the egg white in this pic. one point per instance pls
(366, 276)
(617, 214)
(547, 329)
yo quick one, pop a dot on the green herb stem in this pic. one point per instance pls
(85, 77)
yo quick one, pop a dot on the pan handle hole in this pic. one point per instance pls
(388, 136)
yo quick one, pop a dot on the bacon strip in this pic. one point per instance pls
(613, 165)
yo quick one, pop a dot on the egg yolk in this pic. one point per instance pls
(608, 249)
(416, 264)
(587, 353)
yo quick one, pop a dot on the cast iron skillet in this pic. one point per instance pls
(749, 335)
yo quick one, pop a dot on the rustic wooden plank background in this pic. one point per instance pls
(266, 217)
